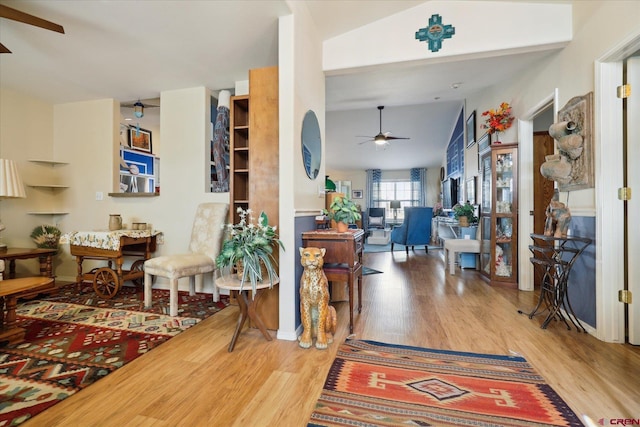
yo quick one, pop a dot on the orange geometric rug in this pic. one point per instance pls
(377, 384)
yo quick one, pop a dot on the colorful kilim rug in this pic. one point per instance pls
(74, 338)
(377, 384)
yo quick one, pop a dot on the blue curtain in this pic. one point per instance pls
(374, 176)
(419, 184)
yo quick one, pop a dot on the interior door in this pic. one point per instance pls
(632, 142)
(543, 145)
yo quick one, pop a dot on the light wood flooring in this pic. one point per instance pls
(193, 381)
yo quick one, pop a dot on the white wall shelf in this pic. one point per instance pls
(48, 162)
(48, 213)
(53, 186)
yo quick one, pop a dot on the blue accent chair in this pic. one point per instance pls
(415, 230)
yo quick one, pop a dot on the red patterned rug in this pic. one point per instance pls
(377, 384)
(75, 338)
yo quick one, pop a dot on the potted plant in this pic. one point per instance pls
(344, 212)
(46, 236)
(249, 246)
(465, 214)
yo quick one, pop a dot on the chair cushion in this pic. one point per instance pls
(183, 265)
(375, 220)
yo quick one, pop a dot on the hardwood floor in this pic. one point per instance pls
(193, 381)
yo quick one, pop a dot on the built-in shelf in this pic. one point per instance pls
(48, 162)
(133, 194)
(53, 187)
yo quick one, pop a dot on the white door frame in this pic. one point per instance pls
(525, 188)
(608, 139)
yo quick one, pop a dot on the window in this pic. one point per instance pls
(407, 192)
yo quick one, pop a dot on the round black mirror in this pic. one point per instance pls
(311, 144)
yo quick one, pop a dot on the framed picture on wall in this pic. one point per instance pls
(471, 190)
(356, 194)
(140, 139)
(471, 129)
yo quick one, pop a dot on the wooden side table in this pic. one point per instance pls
(247, 305)
(10, 291)
(45, 256)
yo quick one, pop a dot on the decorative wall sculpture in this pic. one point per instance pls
(572, 166)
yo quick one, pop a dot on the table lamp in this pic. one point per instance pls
(395, 205)
(10, 186)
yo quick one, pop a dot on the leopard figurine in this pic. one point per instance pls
(318, 317)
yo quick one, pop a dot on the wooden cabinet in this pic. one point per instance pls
(254, 147)
(499, 214)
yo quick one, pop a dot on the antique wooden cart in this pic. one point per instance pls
(112, 246)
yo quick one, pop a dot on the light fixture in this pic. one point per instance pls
(138, 109)
(10, 186)
(395, 205)
(380, 139)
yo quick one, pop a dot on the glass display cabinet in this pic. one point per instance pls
(499, 214)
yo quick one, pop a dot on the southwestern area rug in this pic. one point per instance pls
(75, 338)
(377, 384)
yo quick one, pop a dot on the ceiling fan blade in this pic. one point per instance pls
(16, 15)
(3, 49)
(363, 142)
(396, 137)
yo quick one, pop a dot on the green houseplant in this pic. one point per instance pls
(249, 246)
(343, 211)
(465, 214)
(46, 236)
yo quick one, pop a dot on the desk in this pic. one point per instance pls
(554, 257)
(247, 306)
(44, 255)
(344, 251)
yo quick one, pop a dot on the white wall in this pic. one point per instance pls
(301, 87)
(86, 135)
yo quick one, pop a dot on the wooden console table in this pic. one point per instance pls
(44, 255)
(344, 252)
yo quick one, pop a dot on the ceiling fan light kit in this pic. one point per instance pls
(382, 139)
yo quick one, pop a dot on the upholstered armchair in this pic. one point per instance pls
(415, 230)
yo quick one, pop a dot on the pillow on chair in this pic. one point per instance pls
(375, 220)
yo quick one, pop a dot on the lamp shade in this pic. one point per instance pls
(394, 204)
(10, 182)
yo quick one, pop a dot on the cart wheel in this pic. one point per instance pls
(138, 266)
(106, 283)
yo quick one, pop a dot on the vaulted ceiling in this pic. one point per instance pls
(131, 50)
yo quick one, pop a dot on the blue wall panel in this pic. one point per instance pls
(302, 224)
(582, 280)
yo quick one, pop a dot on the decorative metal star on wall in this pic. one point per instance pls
(435, 32)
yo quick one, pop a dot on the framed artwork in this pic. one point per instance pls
(471, 129)
(140, 139)
(471, 190)
(356, 194)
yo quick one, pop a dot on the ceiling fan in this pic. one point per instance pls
(381, 138)
(138, 107)
(25, 18)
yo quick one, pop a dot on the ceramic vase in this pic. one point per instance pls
(115, 222)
